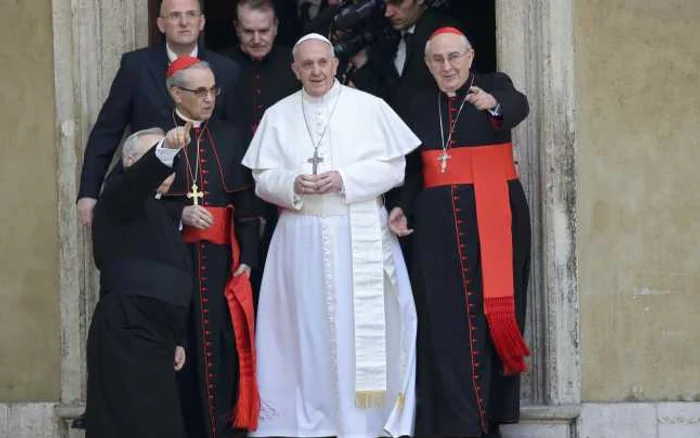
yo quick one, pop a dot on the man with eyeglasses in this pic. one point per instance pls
(213, 195)
(472, 244)
(138, 98)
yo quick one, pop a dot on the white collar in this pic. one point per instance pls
(172, 56)
(410, 30)
(195, 123)
(329, 96)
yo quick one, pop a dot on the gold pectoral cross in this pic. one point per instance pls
(443, 161)
(195, 194)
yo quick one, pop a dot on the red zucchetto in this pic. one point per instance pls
(181, 64)
(447, 29)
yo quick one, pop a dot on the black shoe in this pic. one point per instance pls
(494, 431)
(80, 422)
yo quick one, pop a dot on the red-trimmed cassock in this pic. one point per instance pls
(471, 260)
(218, 374)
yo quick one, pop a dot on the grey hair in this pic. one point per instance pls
(464, 39)
(132, 144)
(178, 79)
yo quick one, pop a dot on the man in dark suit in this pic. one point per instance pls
(135, 338)
(139, 98)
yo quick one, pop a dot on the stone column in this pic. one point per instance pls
(89, 38)
(536, 48)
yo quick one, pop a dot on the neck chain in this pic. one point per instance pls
(194, 194)
(316, 159)
(446, 144)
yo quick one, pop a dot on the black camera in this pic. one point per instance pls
(357, 24)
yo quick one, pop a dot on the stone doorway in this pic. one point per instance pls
(533, 44)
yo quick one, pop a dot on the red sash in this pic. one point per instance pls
(489, 168)
(239, 295)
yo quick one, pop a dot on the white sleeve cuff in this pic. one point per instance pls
(166, 155)
(496, 111)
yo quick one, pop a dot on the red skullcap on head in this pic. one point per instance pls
(181, 64)
(448, 29)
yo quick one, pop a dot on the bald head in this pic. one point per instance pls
(449, 57)
(315, 64)
(139, 143)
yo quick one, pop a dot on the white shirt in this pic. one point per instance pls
(402, 50)
(172, 56)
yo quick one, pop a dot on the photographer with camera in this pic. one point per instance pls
(382, 43)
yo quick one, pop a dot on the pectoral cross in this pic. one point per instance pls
(315, 161)
(195, 194)
(443, 161)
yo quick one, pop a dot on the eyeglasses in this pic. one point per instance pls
(453, 58)
(201, 93)
(187, 15)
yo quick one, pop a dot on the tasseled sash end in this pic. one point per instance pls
(247, 411)
(506, 335)
(369, 399)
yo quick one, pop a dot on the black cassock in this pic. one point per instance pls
(209, 380)
(462, 390)
(145, 289)
(262, 84)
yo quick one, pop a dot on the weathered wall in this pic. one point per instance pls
(638, 114)
(29, 309)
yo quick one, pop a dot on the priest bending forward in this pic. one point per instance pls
(134, 341)
(337, 324)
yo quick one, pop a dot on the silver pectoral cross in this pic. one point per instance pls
(315, 161)
(443, 161)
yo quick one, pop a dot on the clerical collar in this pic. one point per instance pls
(328, 97)
(195, 123)
(172, 56)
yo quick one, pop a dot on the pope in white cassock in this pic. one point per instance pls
(336, 330)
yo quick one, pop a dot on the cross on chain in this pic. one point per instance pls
(443, 161)
(195, 194)
(315, 161)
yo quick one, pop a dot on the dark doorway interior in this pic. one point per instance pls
(477, 16)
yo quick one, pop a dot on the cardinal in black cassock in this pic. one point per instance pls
(472, 245)
(214, 194)
(135, 338)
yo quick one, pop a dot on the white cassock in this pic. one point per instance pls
(336, 328)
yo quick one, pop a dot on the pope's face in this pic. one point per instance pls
(181, 21)
(449, 59)
(196, 101)
(315, 67)
(256, 30)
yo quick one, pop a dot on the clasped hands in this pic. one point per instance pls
(321, 184)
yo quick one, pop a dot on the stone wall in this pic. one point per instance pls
(638, 138)
(29, 313)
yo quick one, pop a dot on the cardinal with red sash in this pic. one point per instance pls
(463, 199)
(218, 389)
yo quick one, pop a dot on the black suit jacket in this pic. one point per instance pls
(380, 77)
(136, 240)
(139, 99)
